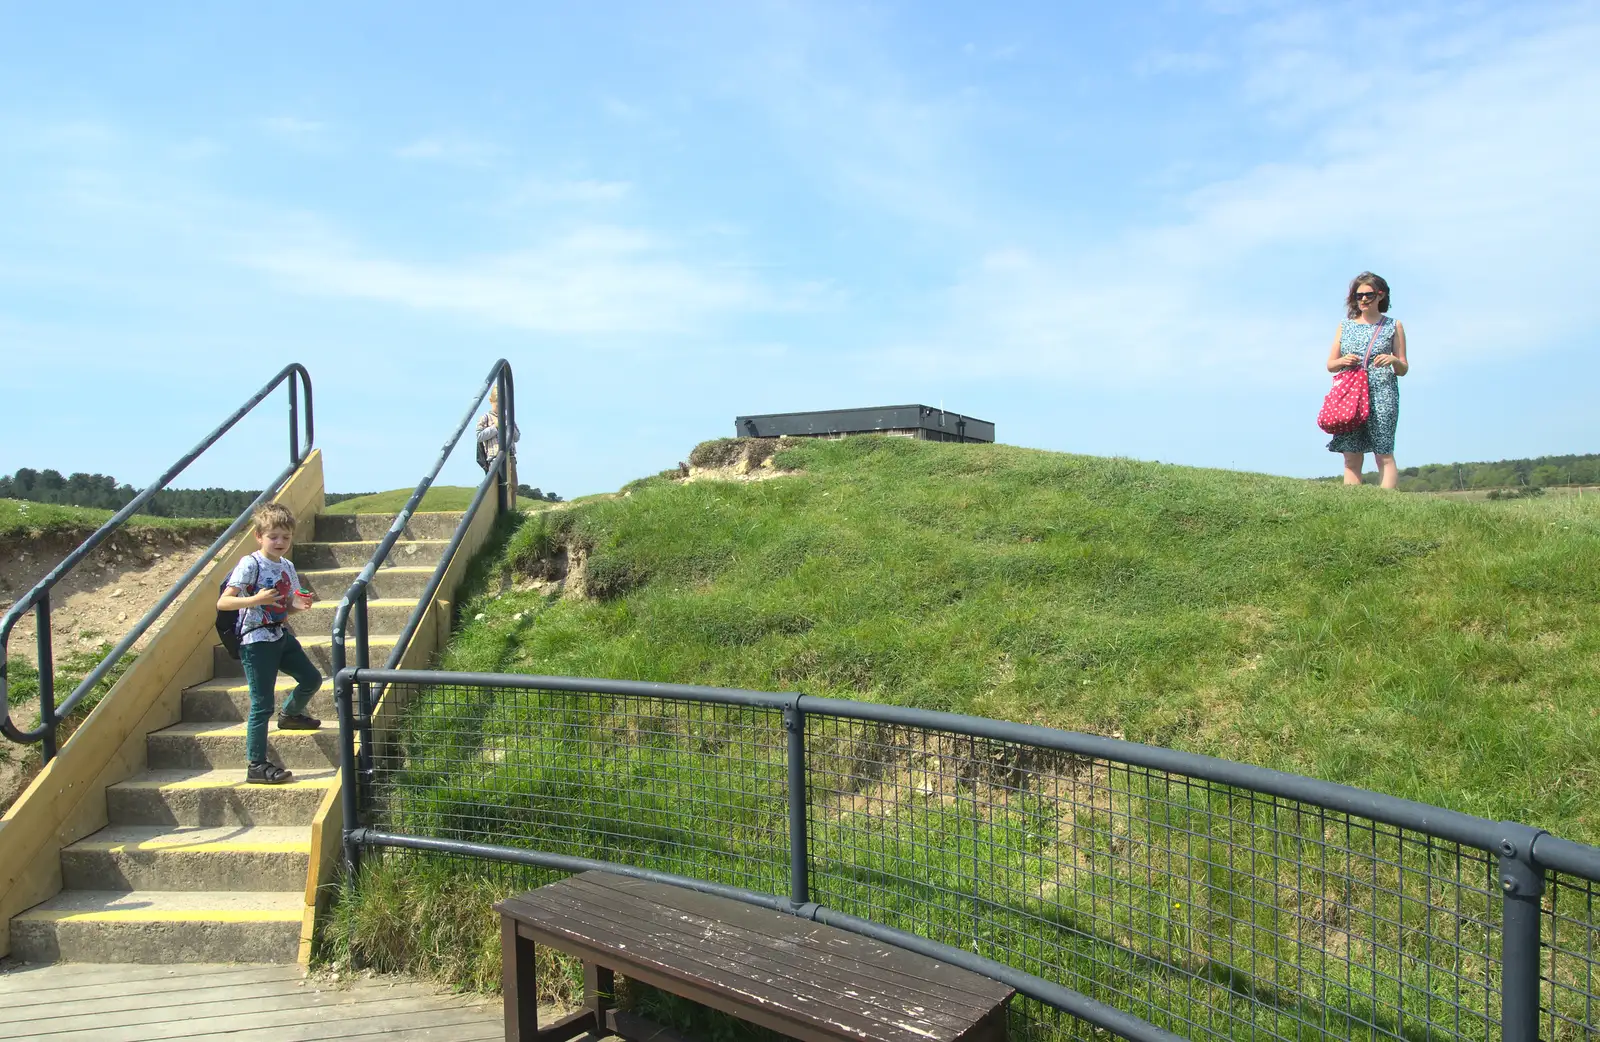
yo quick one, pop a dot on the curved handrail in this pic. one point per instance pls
(356, 595)
(1521, 854)
(38, 598)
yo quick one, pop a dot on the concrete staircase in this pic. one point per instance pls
(195, 865)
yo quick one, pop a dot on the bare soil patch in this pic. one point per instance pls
(105, 594)
(99, 600)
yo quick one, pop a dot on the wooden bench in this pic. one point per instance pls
(797, 977)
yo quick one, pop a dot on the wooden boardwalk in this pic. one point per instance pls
(196, 1003)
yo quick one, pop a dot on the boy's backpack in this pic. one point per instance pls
(228, 627)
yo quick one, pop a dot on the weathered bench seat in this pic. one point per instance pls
(801, 978)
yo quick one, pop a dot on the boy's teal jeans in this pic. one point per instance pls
(263, 660)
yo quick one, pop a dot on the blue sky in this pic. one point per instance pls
(1122, 233)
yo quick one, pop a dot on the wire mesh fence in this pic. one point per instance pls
(1208, 909)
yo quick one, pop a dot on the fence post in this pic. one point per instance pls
(1522, 887)
(794, 723)
(47, 677)
(348, 796)
(364, 770)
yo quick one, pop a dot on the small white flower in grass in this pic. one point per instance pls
(517, 617)
(479, 617)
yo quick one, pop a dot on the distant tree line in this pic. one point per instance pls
(1538, 472)
(104, 493)
(529, 492)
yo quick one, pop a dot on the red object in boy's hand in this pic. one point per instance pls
(304, 598)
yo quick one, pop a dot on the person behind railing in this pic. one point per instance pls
(490, 437)
(265, 590)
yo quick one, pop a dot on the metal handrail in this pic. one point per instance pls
(38, 598)
(1524, 853)
(355, 597)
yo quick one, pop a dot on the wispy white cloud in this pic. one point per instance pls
(1454, 177)
(451, 150)
(595, 279)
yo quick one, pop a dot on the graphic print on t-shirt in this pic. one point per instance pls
(252, 575)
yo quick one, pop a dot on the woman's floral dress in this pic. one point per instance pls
(1377, 435)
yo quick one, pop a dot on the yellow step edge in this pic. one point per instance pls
(201, 784)
(164, 846)
(151, 915)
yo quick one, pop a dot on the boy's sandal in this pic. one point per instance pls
(266, 773)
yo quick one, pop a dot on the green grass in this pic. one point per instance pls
(1438, 650)
(1442, 651)
(438, 497)
(33, 520)
(22, 698)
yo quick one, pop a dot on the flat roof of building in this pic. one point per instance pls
(865, 420)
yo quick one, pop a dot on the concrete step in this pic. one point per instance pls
(387, 615)
(193, 745)
(413, 554)
(318, 648)
(343, 528)
(228, 699)
(161, 926)
(330, 584)
(216, 797)
(177, 857)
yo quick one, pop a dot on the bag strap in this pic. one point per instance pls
(1377, 331)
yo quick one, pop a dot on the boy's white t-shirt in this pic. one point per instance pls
(250, 576)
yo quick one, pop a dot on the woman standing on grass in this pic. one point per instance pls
(1368, 337)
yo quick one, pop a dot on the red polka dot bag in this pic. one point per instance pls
(1348, 405)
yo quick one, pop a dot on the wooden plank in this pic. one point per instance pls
(811, 948)
(291, 1007)
(809, 945)
(142, 1007)
(767, 967)
(453, 1025)
(355, 1008)
(64, 982)
(844, 984)
(725, 982)
(977, 990)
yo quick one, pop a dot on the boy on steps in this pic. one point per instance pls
(265, 589)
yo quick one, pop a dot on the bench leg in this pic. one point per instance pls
(599, 992)
(519, 983)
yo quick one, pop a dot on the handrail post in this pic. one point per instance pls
(1522, 887)
(294, 420)
(794, 723)
(507, 436)
(364, 698)
(349, 799)
(47, 678)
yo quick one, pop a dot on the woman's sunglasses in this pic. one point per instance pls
(1368, 296)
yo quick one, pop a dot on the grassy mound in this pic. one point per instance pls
(1443, 651)
(438, 497)
(1435, 649)
(24, 520)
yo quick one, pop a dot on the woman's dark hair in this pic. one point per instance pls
(1351, 308)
